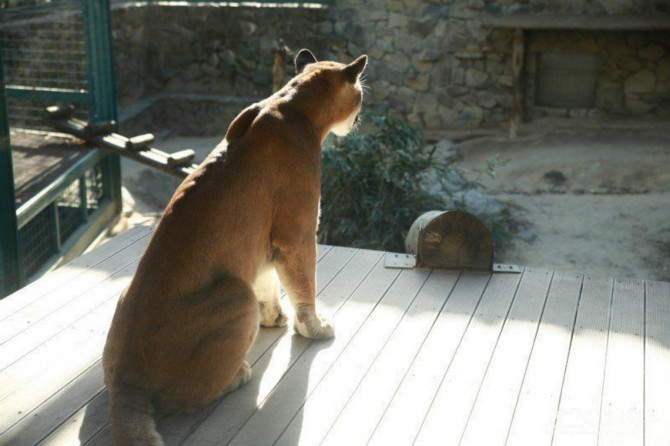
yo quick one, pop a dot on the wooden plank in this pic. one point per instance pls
(309, 424)
(657, 363)
(400, 304)
(58, 321)
(66, 274)
(622, 413)
(30, 394)
(83, 424)
(298, 358)
(80, 342)
(331, 272)
(494, 407)
(66, 400)
(225, 416)
(579, 407)
(419, 385)
(605, 22)
(93, 416)
(364, 409)
(30, 316)
(518, 47)
(448, 414)
(535, 414)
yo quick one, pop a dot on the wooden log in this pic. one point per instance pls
(181, 158)
(60, 111)
(100, 128)
(517, 65)
(140, 142)
(279, 68)
(450, 240)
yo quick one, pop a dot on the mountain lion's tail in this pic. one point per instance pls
(131, 420)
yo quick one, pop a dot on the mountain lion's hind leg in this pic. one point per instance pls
(267, 292)
(243, 376)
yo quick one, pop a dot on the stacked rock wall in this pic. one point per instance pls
(432, 62)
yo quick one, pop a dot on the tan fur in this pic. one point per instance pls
(184, 324)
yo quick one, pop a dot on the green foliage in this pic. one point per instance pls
(375, 185)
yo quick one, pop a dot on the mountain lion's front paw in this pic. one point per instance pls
(313, 326)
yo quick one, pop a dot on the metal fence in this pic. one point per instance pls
(54, 52)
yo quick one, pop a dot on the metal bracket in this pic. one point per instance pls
(408, 261)
(402, 261)
(510, 269)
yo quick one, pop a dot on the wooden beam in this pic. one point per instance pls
(613, 22)
(279, 69)
(517, 65)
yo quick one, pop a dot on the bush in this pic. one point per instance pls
(375, 185)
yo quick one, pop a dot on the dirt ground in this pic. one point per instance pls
(596, 192)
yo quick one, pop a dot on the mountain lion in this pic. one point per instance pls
(246, 218)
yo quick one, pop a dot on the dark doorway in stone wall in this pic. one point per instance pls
(579, 73)
(566, 79)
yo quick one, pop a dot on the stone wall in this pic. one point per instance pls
(431, 61)
(633, 71)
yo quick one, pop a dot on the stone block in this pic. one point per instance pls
(472, 113)
(448, 114)
(397, 20)
(325, 27)
(641, 82)
(578, 112)
(426, 103)
(505, 81)
(457, 76)
(192, 72)
(418, 83)
(663, 69)
(486, 99)
(652, 52)
(374, 52)
(406, 95)
(475, 78)
(638, 106)
(380, 90)
(456, 90)
(407, 42)
(628, 63)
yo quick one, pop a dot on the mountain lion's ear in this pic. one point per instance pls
(304, 58)
(355, 68)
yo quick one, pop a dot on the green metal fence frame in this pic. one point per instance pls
(9, 233)
(101, 101)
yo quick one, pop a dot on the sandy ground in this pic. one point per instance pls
(607, 212)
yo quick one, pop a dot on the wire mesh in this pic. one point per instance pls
(69, 207)
(38, 242)
(94, 188)
(43, 47)
(46, 48)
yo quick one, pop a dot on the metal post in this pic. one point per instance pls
(83, 199)
(101, 85)
(279, 69)
(55, 225)
(9, 233)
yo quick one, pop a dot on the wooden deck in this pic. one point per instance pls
(430, 357)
